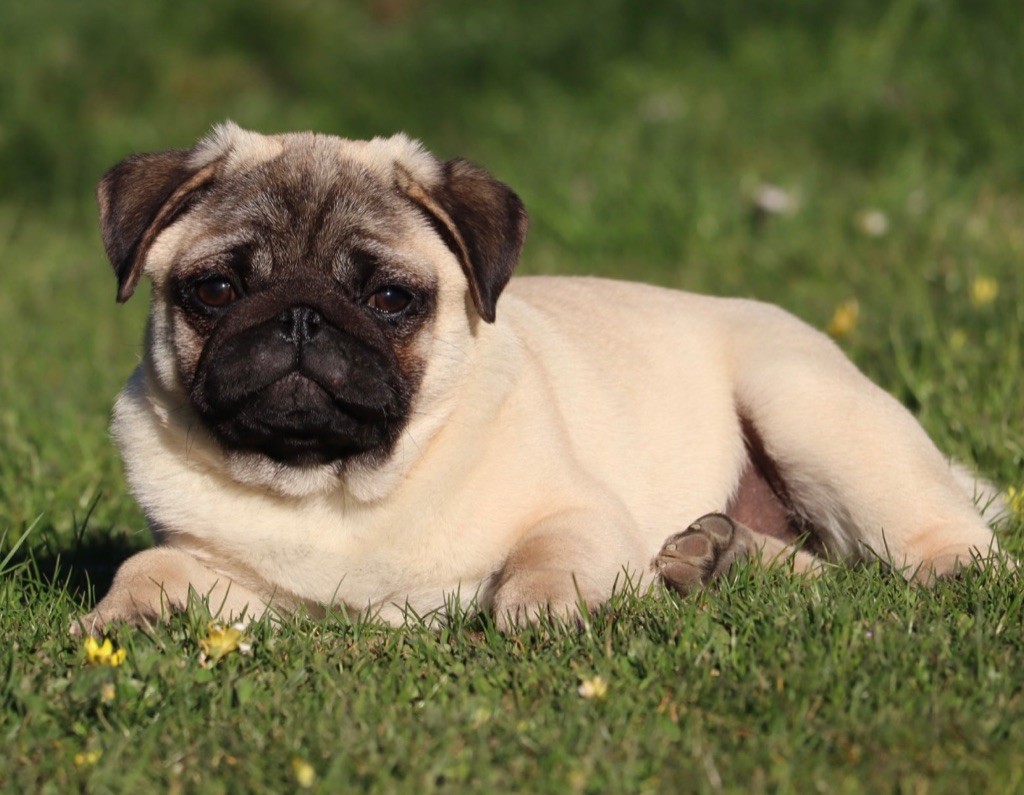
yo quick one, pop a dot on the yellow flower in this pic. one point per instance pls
(984, 290)
(103, 654)
(595, 687)
(305, 775)
(88, 757)
(220, 641)
(1015, 497)
(578, 780)
(958, 339)
(844, 319)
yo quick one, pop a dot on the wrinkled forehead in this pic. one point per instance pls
(304, 204)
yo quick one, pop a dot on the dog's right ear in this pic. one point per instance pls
(139, 198)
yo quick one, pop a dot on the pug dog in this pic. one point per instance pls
(335, 410)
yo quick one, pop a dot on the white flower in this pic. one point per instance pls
(595, 687)
(773, 200)
(872, 222)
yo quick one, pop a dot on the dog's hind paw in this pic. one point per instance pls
(706, 549)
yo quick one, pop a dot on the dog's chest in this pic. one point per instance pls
(365, 558)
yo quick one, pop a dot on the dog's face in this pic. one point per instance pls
(308, 290)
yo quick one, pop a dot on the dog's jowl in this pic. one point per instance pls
(346, 400)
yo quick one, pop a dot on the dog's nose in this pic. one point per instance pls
(300, 324)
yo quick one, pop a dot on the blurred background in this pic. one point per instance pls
(859, 163)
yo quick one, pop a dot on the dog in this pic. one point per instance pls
(334, 409)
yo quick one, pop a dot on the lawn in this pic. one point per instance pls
(647, 140)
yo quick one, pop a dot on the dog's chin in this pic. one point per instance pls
(304, 475)
(259, 471)
(297, 438)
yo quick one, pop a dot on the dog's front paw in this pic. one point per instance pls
(109, 612)
(705, 549)
(532, 596)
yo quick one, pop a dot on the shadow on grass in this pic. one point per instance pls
(85, 571)
(83, 565)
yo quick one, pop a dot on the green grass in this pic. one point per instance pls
(637, 135)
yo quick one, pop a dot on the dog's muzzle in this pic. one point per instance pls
(300, 387)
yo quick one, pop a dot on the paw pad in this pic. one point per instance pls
(705, 549)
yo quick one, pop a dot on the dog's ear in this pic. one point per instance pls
(139, 198)
(482, 221)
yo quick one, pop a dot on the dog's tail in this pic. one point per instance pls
(990, 501)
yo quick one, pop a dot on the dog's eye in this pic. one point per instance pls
(390, 300)
(215, 292)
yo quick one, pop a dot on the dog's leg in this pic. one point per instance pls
(157, 581)
(569, 561)
(709, 546)
(855, 462)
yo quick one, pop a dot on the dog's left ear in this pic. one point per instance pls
(483, 222)
(139, 198)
